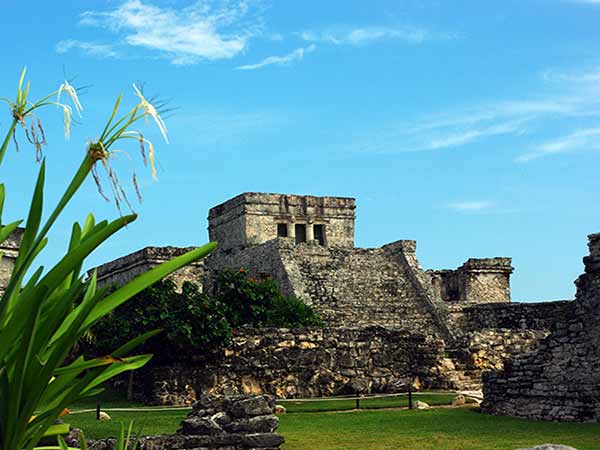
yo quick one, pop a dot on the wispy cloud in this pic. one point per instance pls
(445, 131)
(586, 76)
(575, 97)
(471, 206)
(584, 139)
(206, 30)
(285, 60)
(89, 48)
(366, 35)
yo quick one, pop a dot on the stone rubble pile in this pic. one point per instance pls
(239, 421)
(218, 423)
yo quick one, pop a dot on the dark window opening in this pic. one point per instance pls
(282, 230)
(453, 295)
(300, 233)
(320, 234)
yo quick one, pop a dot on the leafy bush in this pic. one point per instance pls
(290, 312)
(259, 302)
(247, 300)
(189, 320)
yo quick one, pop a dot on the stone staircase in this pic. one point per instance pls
(461, 375)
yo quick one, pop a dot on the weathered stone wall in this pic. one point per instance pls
(217, 423)
(251, 218)
(334, 361)
(486, 335)
(561, 379)
(121, 270)
(9, 250)
(476, 352)
(488, 349)
(303, 363)
(513, 316)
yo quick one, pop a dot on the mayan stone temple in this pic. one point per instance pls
(389, 322)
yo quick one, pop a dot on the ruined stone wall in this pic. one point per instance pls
(9, 250)
(303, 363)
(514, 316)
(488, 349)
(251, 218)
(486, 335)
(122, 270)
(561, 379)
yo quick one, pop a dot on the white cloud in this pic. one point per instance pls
(587, 76)
(206, 30)
(571, 100)
(584, 139)
(471, 206)
(294, 56)
(444, 131)
(89, 48)
(366, 35)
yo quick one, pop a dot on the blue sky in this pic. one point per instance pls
(472, 127)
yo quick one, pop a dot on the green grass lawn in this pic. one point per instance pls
(150, 422)
(401, 401)
(434, 429)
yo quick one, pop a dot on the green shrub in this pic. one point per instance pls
(290, 312)
(247, 300)
(259, 302)
(189, 320)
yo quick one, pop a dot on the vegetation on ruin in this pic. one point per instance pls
(259, 302)
(195, 322)
(45, 312)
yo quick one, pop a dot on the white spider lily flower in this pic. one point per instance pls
(67, 118)
(143, 140)
(151, 111)
(72, 93)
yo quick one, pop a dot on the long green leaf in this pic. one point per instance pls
(7, 230)
(135, 342)
(34, 217)
(131, 363)
(6, 140)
